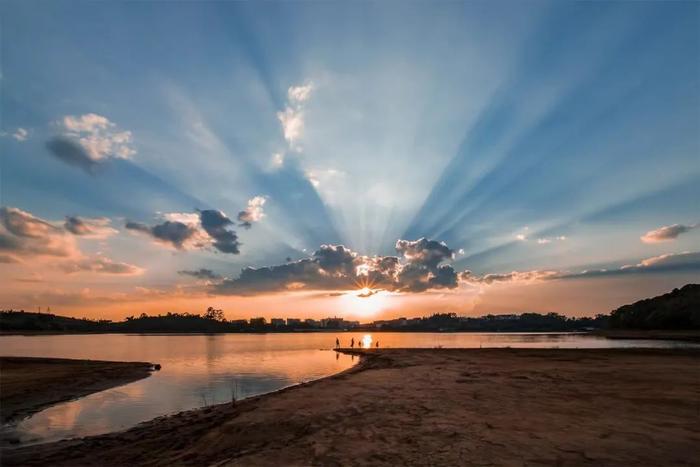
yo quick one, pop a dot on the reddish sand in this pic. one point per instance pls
(497, 407)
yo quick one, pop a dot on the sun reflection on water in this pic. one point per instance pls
(366, 341)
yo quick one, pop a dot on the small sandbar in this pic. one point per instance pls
(28, 385)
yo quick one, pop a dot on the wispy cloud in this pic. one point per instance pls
(292, 117)
(20, 134)
(100, 264)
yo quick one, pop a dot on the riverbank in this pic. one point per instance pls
(28, 385)
(434, 406)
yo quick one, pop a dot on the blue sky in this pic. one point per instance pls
(526, 136)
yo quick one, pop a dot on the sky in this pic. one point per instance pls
(368, 160)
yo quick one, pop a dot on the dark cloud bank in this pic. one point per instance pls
(335, 267)
(419, 266)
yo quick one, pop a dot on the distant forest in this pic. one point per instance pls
(679, 309)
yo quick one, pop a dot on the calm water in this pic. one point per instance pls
(200, 370)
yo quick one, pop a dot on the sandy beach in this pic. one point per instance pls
(434, 407)
(28, 385)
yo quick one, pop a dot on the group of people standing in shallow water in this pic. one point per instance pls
(352, 343)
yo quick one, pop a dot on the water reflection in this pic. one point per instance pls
(366, 341)
(201, 370)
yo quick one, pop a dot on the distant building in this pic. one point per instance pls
(332, 323)
(239, 322)
(381, 323)
(338, 323)
(312, 323)
(293, 321)
(277, 322)
(258, 321)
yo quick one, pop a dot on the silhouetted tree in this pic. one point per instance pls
(214, 314)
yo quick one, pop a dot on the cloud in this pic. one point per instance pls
(668, 263)
(20, 134)
(170, 232)
(98, 228)
(201, 273)
(323, 177)
(217, 225)
(292, 120)
(31, 278)
(277, 160)
(8, 259)
(88, 140)
(424, 251)
(207, 228)
(292, 117)
(72, 153)
(253, 212)
(186, 231)
(336, 267)
(100, 264)
(299, 94)
(515, 276)
(23, 235)
(666, 233)
(548, 240)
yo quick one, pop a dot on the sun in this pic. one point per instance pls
(364, 302)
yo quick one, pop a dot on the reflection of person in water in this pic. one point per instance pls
(352, 343)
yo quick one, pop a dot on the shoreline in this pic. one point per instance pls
(31, 384)
(453, 406)
(667, 335)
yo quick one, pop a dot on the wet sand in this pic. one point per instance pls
(28, 385)
(434, 407)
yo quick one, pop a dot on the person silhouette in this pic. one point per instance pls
(337, 343)
(352, 343)
(377, 344)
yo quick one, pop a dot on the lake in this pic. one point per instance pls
(199, 370)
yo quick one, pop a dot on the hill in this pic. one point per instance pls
(679, 309)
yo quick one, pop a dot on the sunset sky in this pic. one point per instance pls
(360, 159)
